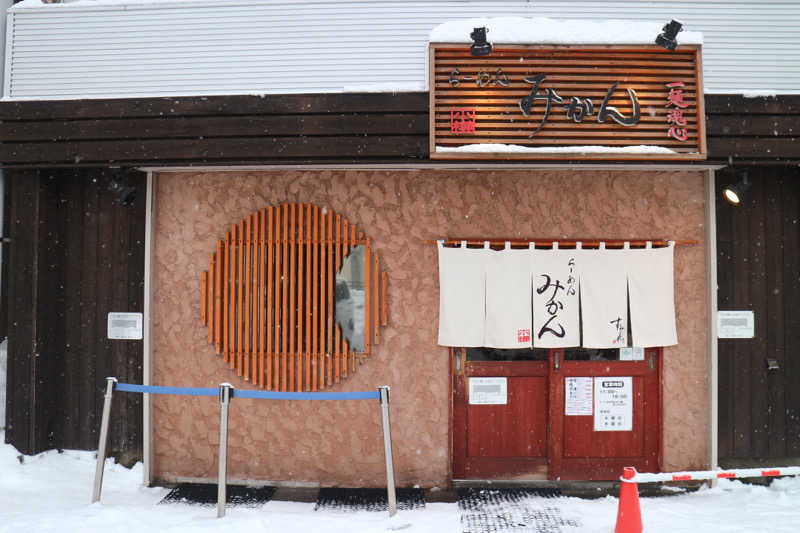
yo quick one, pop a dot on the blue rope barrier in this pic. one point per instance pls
(259, 395)
(272, 395)
(154, 389)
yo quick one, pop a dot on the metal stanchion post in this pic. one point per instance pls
(222, 478)
(387, 450)
(101, 445)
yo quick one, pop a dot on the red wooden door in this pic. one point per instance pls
(501, 441)
(576, 450)
(531, 437)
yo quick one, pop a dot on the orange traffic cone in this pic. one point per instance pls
(629, 516)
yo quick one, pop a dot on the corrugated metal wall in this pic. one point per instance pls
(267, 46)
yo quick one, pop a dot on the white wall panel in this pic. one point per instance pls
(96, 49)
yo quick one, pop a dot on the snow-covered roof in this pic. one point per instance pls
(519, 30)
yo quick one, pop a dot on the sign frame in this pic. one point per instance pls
(510, 126)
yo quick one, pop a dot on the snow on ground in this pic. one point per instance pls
(50, 492)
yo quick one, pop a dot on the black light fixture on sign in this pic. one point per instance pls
(668, 37)
(479, 45)
(735, 193)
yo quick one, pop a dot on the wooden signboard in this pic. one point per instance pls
(567, 102)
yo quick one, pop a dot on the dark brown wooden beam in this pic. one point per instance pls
(248, 148)
(214, 127)
(216, 106)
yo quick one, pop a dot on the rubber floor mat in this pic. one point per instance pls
(347, 499)
(206, 494)
(513, 510)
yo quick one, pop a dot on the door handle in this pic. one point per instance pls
(555, 360)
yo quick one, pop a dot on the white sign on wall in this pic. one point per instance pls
(578, 396)
(488, 391)
(735, 324)
(127, 326)
(613, 403)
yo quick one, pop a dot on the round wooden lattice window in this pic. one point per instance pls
(293, 298)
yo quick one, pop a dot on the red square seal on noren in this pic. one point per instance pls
(523, 335)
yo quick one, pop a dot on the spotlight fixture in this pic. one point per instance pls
(479, 45)
(667, 38)
(735, 193)
(124, 194)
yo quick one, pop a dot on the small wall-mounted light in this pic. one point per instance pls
(735, 193)
(668, 37)
(124, 194)
(479, 45)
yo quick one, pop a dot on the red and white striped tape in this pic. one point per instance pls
(639, 477)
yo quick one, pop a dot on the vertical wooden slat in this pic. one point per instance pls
(247, 315)
(232, 313)
(262, 323)
(254, 298)
(292, 279)
(308, 298)
(218, 280)
(212, 264)
(270, 301)
(276, 350)
(204, 297)
(226, 333)
(300, 309)
(384, 315)
(323, 264)
(284, 294)
(329, 314)
(337, 352)
(367, 295)
(315, 303)
(376, 301)
(346, 244)
(239, 298)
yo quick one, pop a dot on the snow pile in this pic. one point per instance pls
(518, 30)
(51, 492)
(516, 148)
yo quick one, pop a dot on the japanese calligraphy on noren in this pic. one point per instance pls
(542, 102)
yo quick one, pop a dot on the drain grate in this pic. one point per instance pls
(205, 494)
(512, 510)
(348, 499)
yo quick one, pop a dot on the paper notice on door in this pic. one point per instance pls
(613, 404)
(578, 397)
(488, 391)
(631, 354)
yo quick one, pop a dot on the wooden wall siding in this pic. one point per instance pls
(758, 258)
(335, 128)
(582, 72)
(268, 297)
(754, 130)
(75, 255)
(221, 129)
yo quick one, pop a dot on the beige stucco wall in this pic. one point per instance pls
(339, 443)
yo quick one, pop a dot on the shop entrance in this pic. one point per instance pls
(514, 419)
